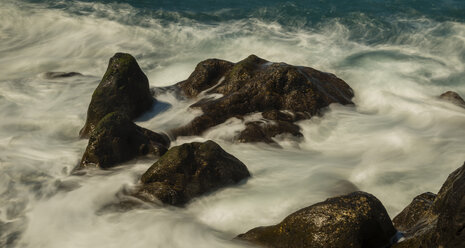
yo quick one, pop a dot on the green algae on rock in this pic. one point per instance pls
(256, 85)
(354, 220)
(124, 88)
(117, 139)
(190, 170)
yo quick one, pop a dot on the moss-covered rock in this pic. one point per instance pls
(354, 220)
(117, 139)
(256, 85)
(124, 88)
(443, 223)
(189, 170)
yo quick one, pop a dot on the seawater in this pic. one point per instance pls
(397, 142)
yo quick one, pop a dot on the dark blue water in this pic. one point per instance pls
(309, 12)
(386, 19)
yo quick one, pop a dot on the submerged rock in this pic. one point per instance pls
(442, 224)
(289, 93)
(55, 74)
(117, 139)
(124, 89)
(354, 220)
(189, 170)
(453, 97)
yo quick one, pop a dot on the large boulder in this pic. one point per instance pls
(289, 93)
(117, 139)
(124, 88)
(442, 224)
(189, 170)
(354, 220)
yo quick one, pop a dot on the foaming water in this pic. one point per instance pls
(398, 141)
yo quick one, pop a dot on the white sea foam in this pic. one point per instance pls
(399, 140)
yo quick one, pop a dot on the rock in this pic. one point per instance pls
(262, 131)
(283, 93)
(206, 75)
(453, 97)
(354, 220)
(55, 75)
(123, 202)
(124, 88)
(418, 210)
(189, 170)
(443, 223)
(450, 208)
(117, 139)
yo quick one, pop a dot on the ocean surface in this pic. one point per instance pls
(399, 141)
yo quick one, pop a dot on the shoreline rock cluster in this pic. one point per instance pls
(122, 95)
(436, 220)
(282, 94)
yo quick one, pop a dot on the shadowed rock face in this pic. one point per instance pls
(354, 220)
(443, 223)
(450, 207)
(124, 89)
(453, 97)
(117, 139)
(418, 210)
(290, 93)
(189, 170)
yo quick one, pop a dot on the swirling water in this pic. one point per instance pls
(399, 140)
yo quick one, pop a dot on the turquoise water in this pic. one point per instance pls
(399, 140)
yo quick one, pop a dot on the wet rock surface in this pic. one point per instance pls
(117, 139)
(443, 223)
(190, 170)
(124, 89)
(453, 97)
(450, 207)
(290, 93)
(354, 220)
(418, 210)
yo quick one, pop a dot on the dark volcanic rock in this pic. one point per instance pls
(124, 88)
(289, 93)
(117, 139)
(418, 210)
(354, 220)
(262, 131)
(443, 224)
(453, 97)
(55, 75)
(189, 170)
(206, 74)
(450, 207)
